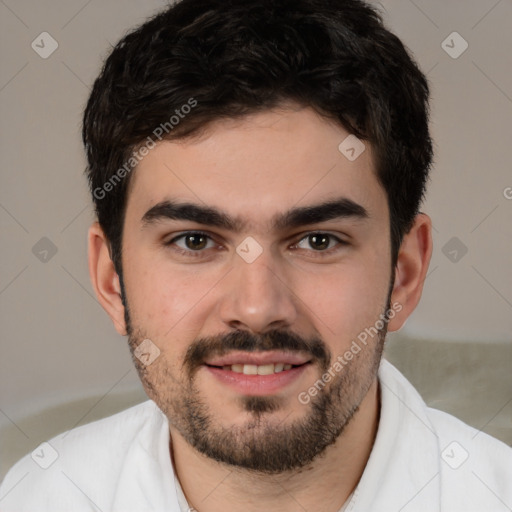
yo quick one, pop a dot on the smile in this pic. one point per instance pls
(253, 369)
(258, 373)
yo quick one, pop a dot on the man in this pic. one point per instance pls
(257, 170)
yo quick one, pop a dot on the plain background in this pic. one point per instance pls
(58, 345)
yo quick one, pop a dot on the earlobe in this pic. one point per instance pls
(411, 269)
(104, 278)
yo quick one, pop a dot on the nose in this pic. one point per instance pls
(257, 296)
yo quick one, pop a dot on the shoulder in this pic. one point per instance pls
(476, 467)
(469, 453)
(79, 464)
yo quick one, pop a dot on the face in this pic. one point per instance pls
(253, 257)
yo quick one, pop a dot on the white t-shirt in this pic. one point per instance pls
(423, 460)
(184, 506)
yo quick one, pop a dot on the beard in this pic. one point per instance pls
(260, 445)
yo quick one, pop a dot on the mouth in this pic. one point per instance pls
(253, 369)
(258, 374)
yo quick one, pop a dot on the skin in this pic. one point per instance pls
(254, 168)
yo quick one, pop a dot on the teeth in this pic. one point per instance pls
(252, 369)
(265, 369)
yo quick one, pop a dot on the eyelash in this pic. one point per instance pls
(188, 252)
(200, 253)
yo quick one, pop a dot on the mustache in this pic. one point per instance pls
(222, 344)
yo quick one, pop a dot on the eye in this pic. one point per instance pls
(192, 241)
(319, 242)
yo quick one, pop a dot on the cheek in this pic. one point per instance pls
(346, 300)
(164, 299)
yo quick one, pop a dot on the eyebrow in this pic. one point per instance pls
(340, 208)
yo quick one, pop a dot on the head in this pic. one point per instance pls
(234, 226)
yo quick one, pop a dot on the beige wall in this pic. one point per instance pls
(59, 345)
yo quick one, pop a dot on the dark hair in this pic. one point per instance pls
(228, 58)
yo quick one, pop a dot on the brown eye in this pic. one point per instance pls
(320, 245)
(319, 241)
(191, 242)
(195, 241)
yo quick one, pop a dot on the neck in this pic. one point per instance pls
(324, 485)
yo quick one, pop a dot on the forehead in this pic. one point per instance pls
(255, 166)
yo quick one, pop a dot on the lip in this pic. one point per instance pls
(256, 385)
(259, 358)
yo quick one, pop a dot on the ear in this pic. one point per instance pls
(411, 269)
(104, 278)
